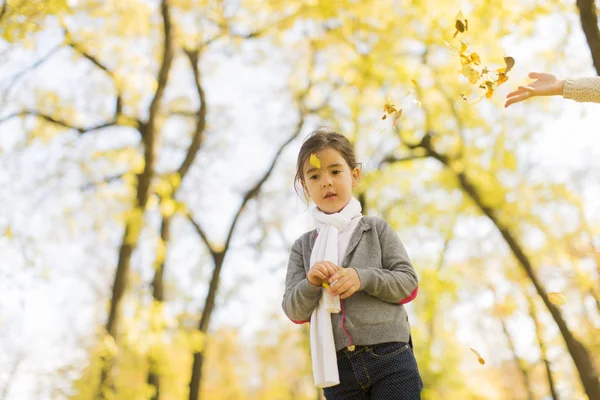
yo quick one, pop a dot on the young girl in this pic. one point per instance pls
(350, 278)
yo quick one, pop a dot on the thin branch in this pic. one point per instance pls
(193, 57)
(94, 60)
(33, 66)
(109, 179)
(255, 189)
(201, 233)
(393, 159)
(57, 121)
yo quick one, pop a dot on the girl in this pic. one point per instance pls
(578, 89)
(350, 278)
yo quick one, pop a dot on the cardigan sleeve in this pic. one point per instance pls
(582, 89)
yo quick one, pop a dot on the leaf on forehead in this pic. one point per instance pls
(479, 358)
(510, 62)
(557, 298)
(315, 161)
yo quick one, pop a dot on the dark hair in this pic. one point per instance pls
(316, 141)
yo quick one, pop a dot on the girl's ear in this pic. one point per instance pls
(355, 176)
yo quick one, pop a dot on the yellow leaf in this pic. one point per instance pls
(510, 62)
(475, 58)
(175, 180)
(163, 188)
(471, 73)
(315, 161)
(8, 233)
(167, 207)
(479, 358)
(557, 298)
(325, 285)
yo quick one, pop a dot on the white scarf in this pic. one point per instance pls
(322, 345)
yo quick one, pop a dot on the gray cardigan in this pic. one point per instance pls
(375, 313)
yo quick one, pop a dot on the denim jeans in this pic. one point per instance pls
(384, 371)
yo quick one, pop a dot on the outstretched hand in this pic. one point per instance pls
(544, 85)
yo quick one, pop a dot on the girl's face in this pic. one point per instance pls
(330, 186)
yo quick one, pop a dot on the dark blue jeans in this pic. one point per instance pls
(384, 371)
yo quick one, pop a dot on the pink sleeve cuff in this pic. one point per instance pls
(299, 322)
(411, 297)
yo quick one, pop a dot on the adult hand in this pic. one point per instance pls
(347, 282)
(544, 85)
(320, 272)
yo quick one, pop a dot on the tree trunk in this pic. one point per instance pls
(589, 24)
(209, 305)
(159, 296)
(130, 238)
(579, 354)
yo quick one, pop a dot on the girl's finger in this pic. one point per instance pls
(339, 274)
(537, 75)
(527, 89)
(348, 293)
(341, 287)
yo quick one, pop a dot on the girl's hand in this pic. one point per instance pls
(544, 85)
(348, 283)
(320, 272)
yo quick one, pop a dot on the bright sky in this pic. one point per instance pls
(45, 310)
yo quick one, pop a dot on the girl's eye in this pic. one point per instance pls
(313, 177)
(335, 172)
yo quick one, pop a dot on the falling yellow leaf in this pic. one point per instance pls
(479, 358)
(510, 62)
(8, 233)
(461, 24)
(315, 161)
(502, 77)
(471, 73)
(557, 298)
(475, 58)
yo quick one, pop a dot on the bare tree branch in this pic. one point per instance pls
(108, 179)
(57, 121)
(219, 257)
(33, 66)
(391, 159)
(94, 60)
(200, 115)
